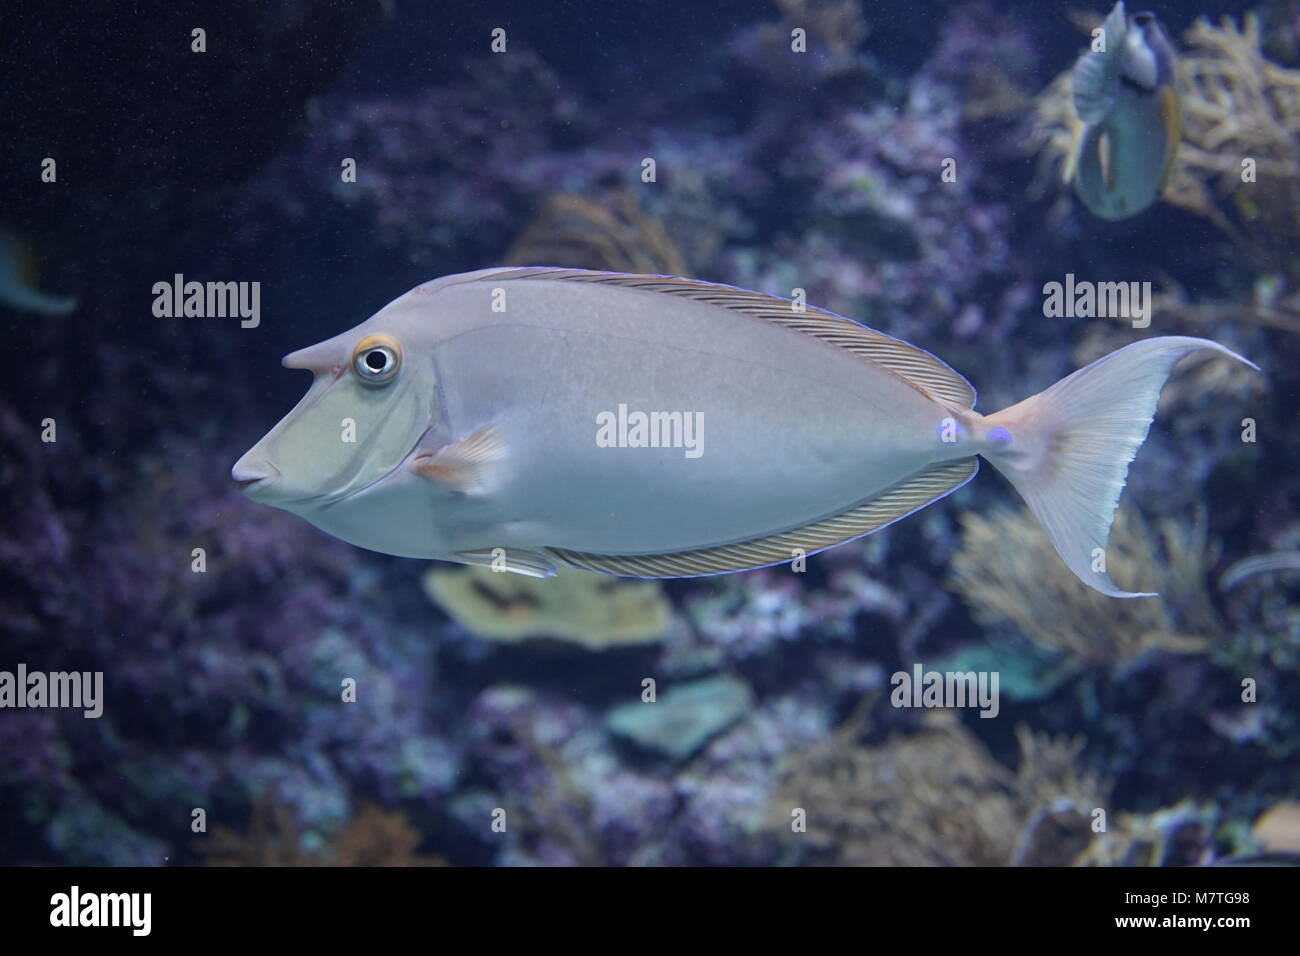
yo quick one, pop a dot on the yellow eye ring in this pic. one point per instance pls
(376, 359)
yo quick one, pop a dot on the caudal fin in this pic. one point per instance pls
(1067, 449)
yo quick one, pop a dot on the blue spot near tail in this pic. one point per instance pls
(999, 436)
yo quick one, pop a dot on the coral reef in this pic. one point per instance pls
(1181, 835)
(570, 796)
(936, 797)
(1052, 135)
(1278, 829)
(1240, 108)
(587, 609)
(1005, 570)
(774, 171)
(1200, 377)
(371, 837)
(685, 719)
(832, 33)
(584, 234)
(240, 651)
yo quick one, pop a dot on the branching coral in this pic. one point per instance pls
(1203, 379)
(275, 837)
(933, 798)
(936, 797)
(1056, 797)
(583, 233)
(1009, 574)
(1052, 135)
(1240, 108)
(1267, 308)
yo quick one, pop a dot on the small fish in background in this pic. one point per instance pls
(1129, 119)
(18, 276)
(463, 421)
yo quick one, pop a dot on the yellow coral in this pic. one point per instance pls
(588, 609)
(1278, 829)
(583, 233)
(1239, 106)
(1052, 134)
(932, 798)
(937, 797)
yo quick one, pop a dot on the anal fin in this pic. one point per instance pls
(532, 564)
(894, 503)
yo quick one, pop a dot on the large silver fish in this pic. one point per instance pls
(662, 427)
(1129, 117)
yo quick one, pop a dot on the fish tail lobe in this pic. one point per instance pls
(1067, 449)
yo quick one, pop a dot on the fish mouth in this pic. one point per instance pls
(251, 480)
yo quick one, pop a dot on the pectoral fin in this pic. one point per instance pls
(531, 564)
(462, 466)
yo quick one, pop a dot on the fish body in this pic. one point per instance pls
(493, 417)
(1129, 117)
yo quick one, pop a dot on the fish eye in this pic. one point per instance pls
(376, 359)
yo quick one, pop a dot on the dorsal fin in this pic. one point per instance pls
(914, 365)
(901, 500)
